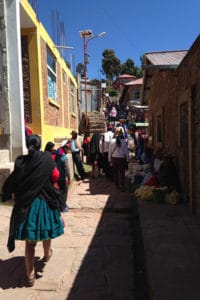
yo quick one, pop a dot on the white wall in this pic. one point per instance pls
(15, 82)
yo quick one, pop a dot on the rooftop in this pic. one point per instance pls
(135, 81)
(166, 57)
(126, 76)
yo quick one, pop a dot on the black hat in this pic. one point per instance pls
(73, 132)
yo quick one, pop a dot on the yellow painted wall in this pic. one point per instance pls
(47, 132)
(36, 91)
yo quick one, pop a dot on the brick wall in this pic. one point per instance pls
(52, 113)
(188, 76)
(175, 96)
(162, 103)
(65, 100)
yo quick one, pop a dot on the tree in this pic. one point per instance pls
(80, 69)
(110, 64)
(138, 72)
(142, 60)
(128, 67)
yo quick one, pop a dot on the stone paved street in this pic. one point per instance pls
(92, 260)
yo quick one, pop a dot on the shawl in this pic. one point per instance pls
(31, 178)
(94, 143)
(31, 173)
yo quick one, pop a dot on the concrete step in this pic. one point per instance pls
(96, 116)
(96, 121)
(4, 156)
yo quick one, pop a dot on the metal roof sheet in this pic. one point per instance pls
(126, 76)
(166, 57)
(135, 81)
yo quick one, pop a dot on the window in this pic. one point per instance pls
(137, 95)
(64, 78)
(72, 96)
(51, 69)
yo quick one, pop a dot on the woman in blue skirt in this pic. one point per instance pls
(36, 212)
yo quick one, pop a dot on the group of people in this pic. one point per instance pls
(114, 111)
(36, 214)
(159, 169)
(39, 183)
(108, 153)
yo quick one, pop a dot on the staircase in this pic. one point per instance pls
(96, 122)
(6, 167)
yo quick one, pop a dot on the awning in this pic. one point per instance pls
(132, 102)
(141, 106)
(146, 124)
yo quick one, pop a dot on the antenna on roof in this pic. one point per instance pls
(58, 34)
(34, 4)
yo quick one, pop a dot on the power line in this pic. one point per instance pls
(118, 28)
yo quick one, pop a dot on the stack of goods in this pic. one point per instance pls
(135, 175)
(157, 195)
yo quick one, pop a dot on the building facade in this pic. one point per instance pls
(188, 100)
(36, 84)
(131, 101)
(172, 91)
(121, 80)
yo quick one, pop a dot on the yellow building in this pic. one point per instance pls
(35, 83)
(49, 88)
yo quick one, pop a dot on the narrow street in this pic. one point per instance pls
(92, 260)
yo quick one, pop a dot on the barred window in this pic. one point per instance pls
(51, 70)
(72, 96)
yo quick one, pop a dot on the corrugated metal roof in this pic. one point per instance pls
(126, 76)
(166, 57)
(135, 82)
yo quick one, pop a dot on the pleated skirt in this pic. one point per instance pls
(42, 223)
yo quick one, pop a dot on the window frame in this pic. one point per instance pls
(137, 95)
(72, 96)
(51, 74)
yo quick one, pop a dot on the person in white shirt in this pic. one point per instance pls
(76, 148)
(118, 156)
(104, 142)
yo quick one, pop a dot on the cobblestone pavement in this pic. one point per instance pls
(92, 260)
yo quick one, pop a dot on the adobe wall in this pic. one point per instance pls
(163, 103)
(188, 76)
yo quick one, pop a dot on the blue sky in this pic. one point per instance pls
(132, 27)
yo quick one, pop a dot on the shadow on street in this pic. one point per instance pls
(108, 269)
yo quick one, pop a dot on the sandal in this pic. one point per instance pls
(30, 280)
(47, 258)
